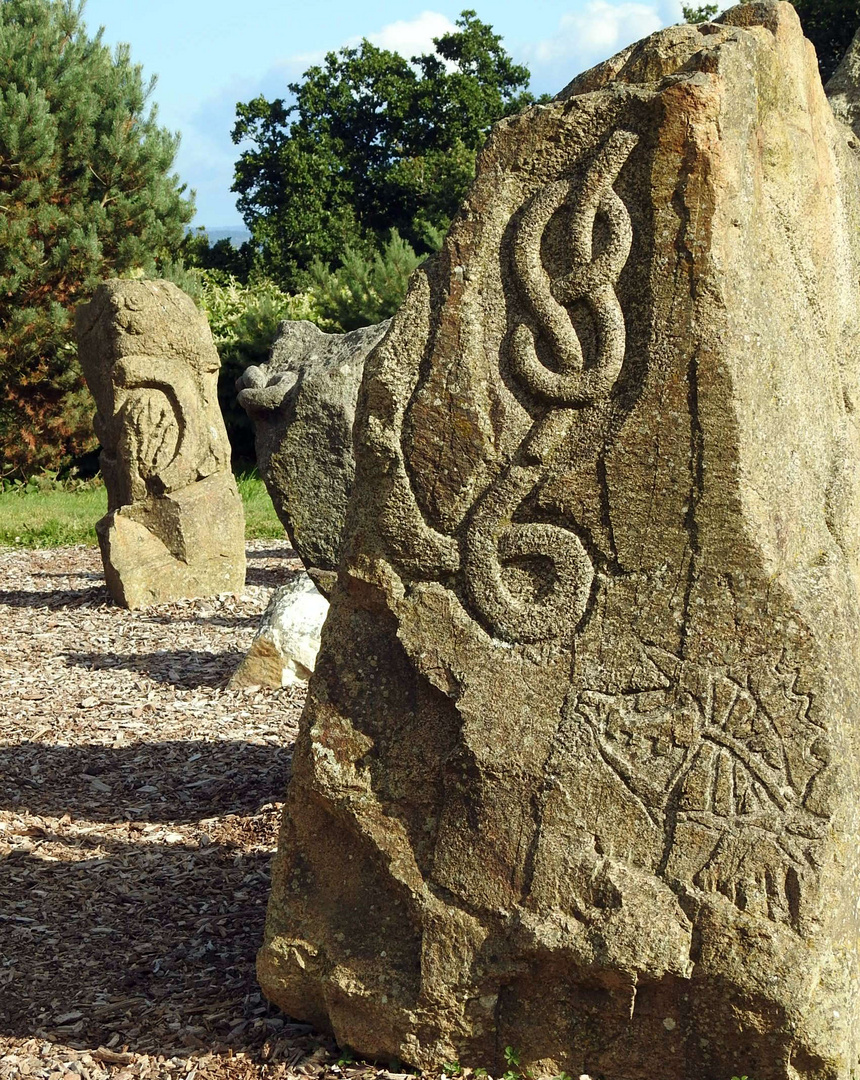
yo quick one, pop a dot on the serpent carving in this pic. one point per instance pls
(495, 543)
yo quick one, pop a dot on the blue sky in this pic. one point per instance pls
(209, 54)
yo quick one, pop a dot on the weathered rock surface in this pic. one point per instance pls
(302, 406)
(843, 87)
(579, 771)
(285, 648)
(175, 525)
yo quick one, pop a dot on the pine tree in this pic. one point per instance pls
(86, 193)
(364, 289)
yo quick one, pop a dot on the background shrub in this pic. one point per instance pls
(244, 321)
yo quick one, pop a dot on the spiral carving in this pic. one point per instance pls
(498, 549)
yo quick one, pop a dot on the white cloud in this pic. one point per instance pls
(596, 31)
(298, 63)
(413, 37)
(207, 154)
(601, 28)
(408, 37)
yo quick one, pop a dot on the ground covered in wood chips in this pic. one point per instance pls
(139, 807)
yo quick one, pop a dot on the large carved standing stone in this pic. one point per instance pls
(579, 771)
(302, 406)
(175, 525)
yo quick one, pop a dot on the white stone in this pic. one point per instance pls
(288, 639)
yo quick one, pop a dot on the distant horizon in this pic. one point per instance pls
(236, 234)
(220, 228)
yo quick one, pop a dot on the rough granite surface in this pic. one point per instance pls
(302, 406)
(175, 526)
(579, 771)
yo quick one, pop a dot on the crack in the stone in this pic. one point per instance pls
(697, 484)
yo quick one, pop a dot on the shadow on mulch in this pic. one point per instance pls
(216, 619)
(151, 941)
(92, 596)
(179, 781)
(154, 943)
(273, 553)
(271, 577)
(91, 575)
(186, 669)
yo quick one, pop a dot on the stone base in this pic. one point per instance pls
(174, 547)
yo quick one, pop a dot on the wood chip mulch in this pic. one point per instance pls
(139, 808)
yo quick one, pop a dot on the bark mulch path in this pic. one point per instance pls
(139, 808)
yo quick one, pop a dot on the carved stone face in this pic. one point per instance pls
(149, 358)
(174, 526)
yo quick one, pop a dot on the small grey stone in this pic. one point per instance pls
(302, 406)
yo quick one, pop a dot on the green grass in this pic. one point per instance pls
(261, 521)
(54, 516)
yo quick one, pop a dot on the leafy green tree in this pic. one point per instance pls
(244, 320)
(830, 25)
(198, 253)
(371, 142)
(86, 193)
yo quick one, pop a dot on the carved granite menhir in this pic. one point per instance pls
(175, 525)
(579, 771)
(302, 405)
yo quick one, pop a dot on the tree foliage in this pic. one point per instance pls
(363, 289)
(830, 25)
(244, 320)
(86, 193)
(371, 142)
(200, 254)
(701, 14)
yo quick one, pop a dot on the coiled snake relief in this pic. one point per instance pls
(493, 540)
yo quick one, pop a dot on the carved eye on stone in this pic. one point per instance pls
(154, 430)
